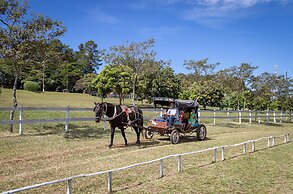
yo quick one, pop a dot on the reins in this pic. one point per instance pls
(115, 115)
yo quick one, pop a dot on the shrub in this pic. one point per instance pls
(31, 86)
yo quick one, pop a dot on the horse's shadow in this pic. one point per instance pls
(91, 132)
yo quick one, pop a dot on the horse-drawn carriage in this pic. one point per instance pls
(184, 120)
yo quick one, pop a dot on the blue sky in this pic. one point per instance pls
(230, 32)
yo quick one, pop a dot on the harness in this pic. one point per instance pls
(115, 115)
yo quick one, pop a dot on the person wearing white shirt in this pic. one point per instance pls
(171, 113)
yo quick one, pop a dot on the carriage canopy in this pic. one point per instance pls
(178, 103)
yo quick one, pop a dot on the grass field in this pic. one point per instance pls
(45, 153)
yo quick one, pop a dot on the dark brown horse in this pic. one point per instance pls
(120, 117)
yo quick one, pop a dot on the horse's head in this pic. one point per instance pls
(100, 109)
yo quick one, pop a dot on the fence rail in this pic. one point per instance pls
(271, 142)
(257, 115)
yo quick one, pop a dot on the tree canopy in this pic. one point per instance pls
(31, 51)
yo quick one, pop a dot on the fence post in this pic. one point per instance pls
(69, 186)
(110, 182)
(274, 117)
(273, 142)
(250, 116)
(281, 117)
(253, 146)
(286, 113)
(105, 124)
(269, 142)
(179, 163)
(67, 120)
(288, 137)
(239, 116)
(258, 118)
(223, 154)
(215, 155)
(161, 112)
(20, 122)
(244, 148)
(161, 168)
(228, 116)
(214, 116)
(267, 117)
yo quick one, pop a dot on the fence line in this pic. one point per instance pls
(68, 180)
(67, 118)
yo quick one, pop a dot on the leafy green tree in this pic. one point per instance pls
(200, 67)
(85, 83)
(135, 55)
(47, 54)
(115, 78)
(165, 84)
(152, 72)
(276, 90)
(236, 82)
(89, 56)
(6, 75)
(207, 93)
(20, 37)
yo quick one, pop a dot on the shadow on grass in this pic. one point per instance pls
(77, 131)
(183, 139)
(236, 125)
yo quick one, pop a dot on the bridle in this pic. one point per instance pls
(104, 113)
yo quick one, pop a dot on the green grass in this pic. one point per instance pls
(53, 99)
(45, 153)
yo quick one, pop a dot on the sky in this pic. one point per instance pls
(229, 32)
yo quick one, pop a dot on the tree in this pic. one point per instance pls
(48, 53)
(115, 78)
(85, 83)
(207, 93)
(20, 35)
(275, 90)
(165, 84)
(89, 57)
(135, 55)
(200, 67)
(236, 81)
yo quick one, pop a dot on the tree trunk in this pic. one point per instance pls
(133, 88)
(14, 101)
(120, 99)
(43, 79)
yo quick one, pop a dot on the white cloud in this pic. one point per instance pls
(217, 12)
(102, 17)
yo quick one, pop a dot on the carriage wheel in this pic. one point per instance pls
(174, 137)
(201, 133)
(149, 134)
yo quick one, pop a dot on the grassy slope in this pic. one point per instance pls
(45, 154)
(51, 99)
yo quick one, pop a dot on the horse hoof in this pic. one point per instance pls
(137, 142)
(109, 146)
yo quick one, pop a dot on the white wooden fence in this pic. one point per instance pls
(214, 114)
(69, 180)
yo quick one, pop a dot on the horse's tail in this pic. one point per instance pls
(141, 121)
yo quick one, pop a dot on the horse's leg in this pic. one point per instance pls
(112, 136)
(123, 134)
(137, 130)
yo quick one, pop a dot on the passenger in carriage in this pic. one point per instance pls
(183, 117)
(171, 113)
